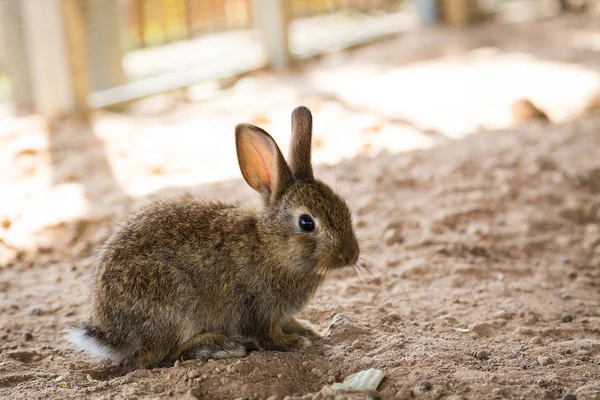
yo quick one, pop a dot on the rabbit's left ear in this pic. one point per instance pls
(261, 162)
(299, 155)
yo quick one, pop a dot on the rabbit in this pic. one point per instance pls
(189, 279)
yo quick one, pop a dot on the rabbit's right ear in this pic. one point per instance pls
(261, 162)
(299, 155)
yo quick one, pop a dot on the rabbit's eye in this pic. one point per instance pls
(306, 223)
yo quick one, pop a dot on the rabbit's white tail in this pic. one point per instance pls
(90, 339)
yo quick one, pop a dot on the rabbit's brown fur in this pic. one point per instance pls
(185, 278)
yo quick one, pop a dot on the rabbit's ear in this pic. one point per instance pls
(261, 162)
(299, 155)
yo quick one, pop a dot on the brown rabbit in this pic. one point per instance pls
(185, 279)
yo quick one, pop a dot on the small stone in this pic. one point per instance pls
(339, 397)
(35, 310)
(415, 269)
(566, 296)
(567, 318)
(195, 393)
(317, 371)
(569, 396)
(177, 363)
(279, 376)
(544, 360)
(393, 236)
(391, 317)
(232, 368)
(27, 336)
(372, 395)
(536, 340)
(482, 355)
(542, 383)
(193, 374)
(341, 324)
(482, 329)
(503, 314)
(331, 379)
(523, 330)
(424, 385)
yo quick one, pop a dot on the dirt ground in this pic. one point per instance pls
(484, 236)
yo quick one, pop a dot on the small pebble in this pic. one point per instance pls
(393, 236)
(523, 330)
(331, 379)
(569, 396)
(195, 392)
(372, 395)
(567, 318)
(542, 383)
(274, 397)
(339, 397)
(317, 371)
(193, 374)
(27, 336)
(503, 314)
(280, 376)
(482, 355)
(232, 368)
(392, 317)
(536, 340)
(35, 311)
(544, 360)
(424, 385)
(177, 363)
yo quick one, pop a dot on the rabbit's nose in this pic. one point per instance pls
(348, 257)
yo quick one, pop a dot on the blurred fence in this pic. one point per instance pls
(156, 22)
(71, 55)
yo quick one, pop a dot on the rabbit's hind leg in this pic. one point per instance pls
(301, 327)
(211, 345)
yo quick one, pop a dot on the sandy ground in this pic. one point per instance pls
(484, 237)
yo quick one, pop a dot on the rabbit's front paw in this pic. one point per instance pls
(287, 342)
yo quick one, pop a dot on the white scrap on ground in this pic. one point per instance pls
(361, 381)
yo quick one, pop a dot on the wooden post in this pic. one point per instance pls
(48, 60)
(75, 32)
(103, 23)
(16, 58)
(272, 17)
